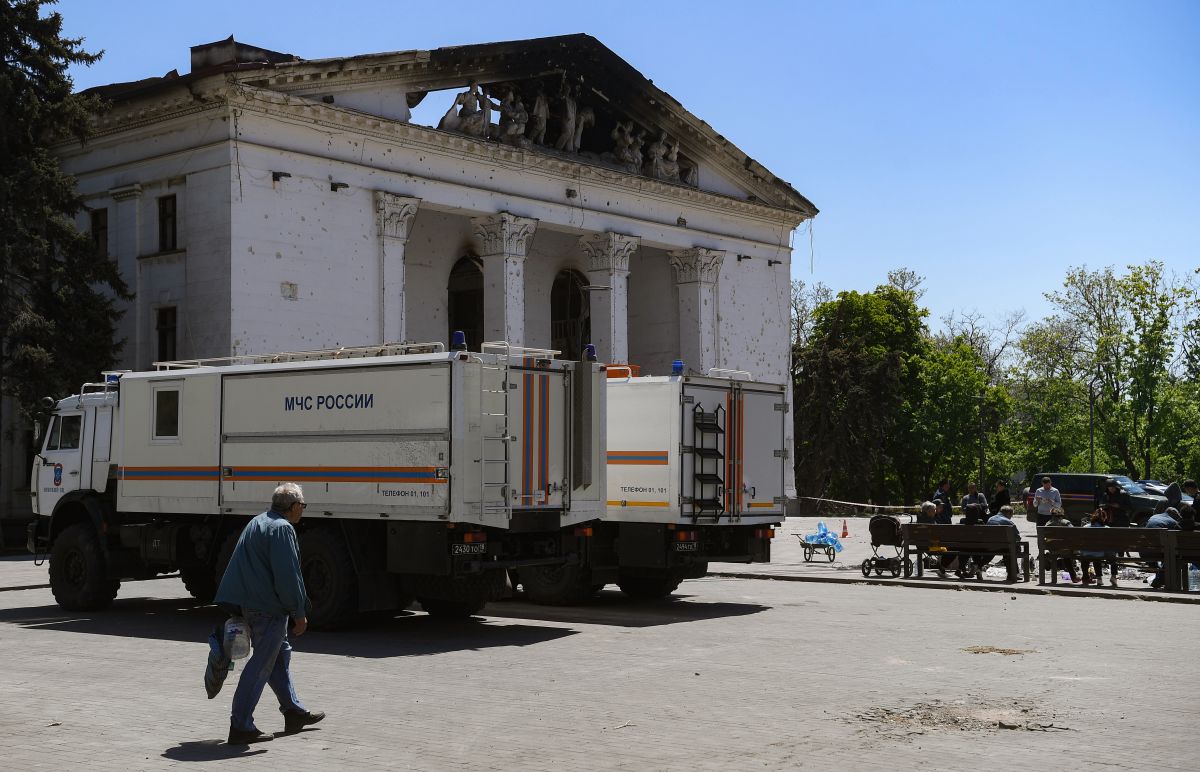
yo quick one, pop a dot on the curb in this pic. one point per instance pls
(1014, 589)
(25, 587)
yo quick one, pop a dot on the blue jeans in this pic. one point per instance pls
(268, 663)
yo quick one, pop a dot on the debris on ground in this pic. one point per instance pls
(997, 650)
(968, 715)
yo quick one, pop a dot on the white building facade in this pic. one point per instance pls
(265, 203)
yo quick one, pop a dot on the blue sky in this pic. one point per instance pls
(987, 146)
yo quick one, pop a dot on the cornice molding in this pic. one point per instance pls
(267, 102)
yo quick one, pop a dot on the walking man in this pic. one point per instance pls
(263, 580)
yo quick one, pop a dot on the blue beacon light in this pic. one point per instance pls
(677, 367)
(458, 341)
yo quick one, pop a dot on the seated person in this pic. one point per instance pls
(1004, 518)
(1095, 559)
(1168, 520)
(1116, 501)
(973, 514)
(928, 510)
(1058, 519)
(930, 513)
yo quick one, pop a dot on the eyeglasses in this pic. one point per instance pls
(302, 505)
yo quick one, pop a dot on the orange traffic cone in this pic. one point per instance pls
(845, 530)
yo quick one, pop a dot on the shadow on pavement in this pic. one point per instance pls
(614, 608)
(210, 750)
(408, 634)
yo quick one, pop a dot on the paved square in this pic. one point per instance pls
(732, 674)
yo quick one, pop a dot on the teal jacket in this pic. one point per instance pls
(264, 572)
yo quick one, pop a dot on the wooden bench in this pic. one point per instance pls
(1182, 549)
(1062, 542)
(921, 539)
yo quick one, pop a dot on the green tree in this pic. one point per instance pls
(57, 290)
(850, 382)
(1120, 335)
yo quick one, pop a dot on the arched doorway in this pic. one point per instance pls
(464, 300)
(570, 314)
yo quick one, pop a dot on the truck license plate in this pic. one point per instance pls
(685, 546)
(468, 549)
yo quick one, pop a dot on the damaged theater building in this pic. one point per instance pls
(557, 197)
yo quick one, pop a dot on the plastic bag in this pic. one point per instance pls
(237, 638)
(824, 536)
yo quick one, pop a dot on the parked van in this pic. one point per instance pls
(1081, 495)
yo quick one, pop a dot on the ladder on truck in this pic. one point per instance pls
(495, 450)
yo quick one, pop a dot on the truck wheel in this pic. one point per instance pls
(564, 585)
(200, 582)
(648, 587)
(451, 609)
(329, 578)
(78, 570)
(223, 557)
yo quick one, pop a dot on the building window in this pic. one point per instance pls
(99, 228)
(166, 414)
(167, 224)
(165, 327)
(464, 301)
(570, 315)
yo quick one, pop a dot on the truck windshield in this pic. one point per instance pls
(1129, 486)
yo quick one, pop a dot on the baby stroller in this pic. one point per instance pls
(885, 532)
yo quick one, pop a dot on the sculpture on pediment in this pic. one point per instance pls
(626, 151)
(539, 117)
(655, 153)
(584, 118)
(471, 113)
(566, 129)
(513, 119)
(670, 163)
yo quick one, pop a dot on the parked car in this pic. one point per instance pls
(1160, 487)
(1081, 495)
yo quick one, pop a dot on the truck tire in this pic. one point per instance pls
(648, 587)
(79, 571)
(329, 579)
(451, 609)
(200, 581)
(564, 585)
(224, 554)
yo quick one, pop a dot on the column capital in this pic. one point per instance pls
(608, 251)
(697, 265)
(126, 192)
(395, 214)
(504, 234)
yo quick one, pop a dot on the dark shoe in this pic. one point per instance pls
(247, 736)
(295, 720)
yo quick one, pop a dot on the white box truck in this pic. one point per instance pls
(432, 475)
(428, 473)
(696, 470)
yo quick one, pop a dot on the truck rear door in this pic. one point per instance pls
(761, 452)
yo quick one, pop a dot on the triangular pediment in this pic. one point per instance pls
(565, 96)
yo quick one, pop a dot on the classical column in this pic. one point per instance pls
(394, 216)
(696, 274)
(126, 224)
(504, 241)
(608, 273)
